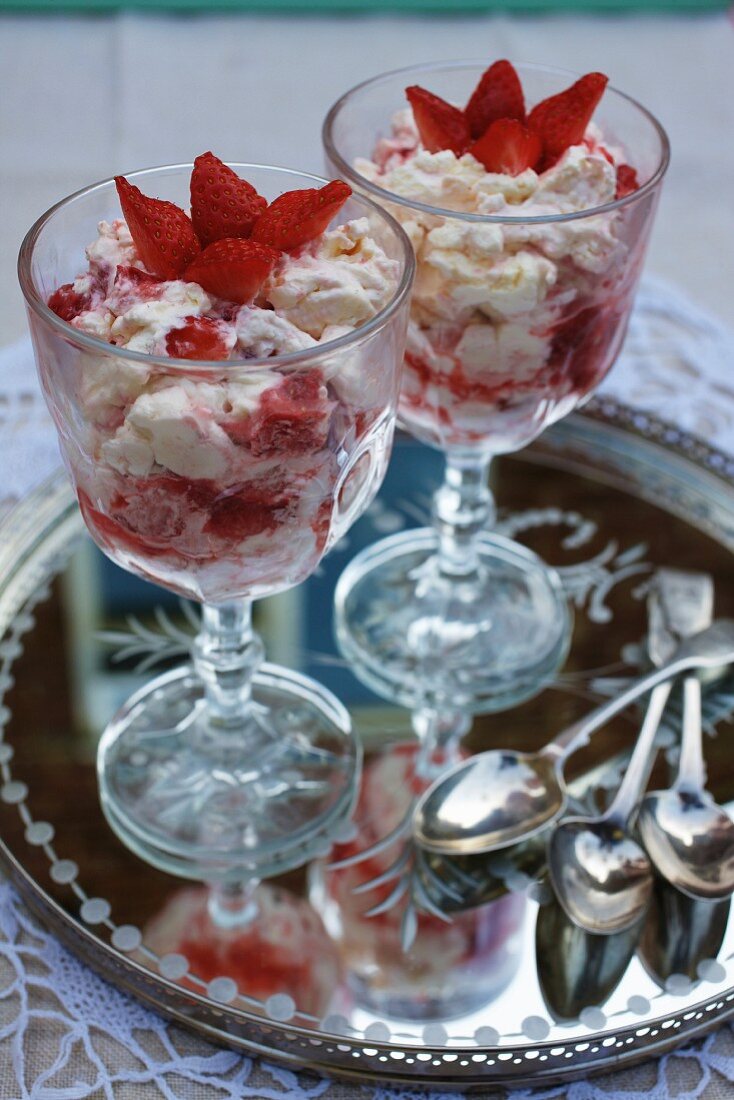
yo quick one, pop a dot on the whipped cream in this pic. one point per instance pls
(489, 296)
(225, 482)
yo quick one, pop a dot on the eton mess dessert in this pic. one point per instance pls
(221, 477)
(513, 320)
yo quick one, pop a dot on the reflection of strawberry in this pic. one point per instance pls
(497, 95)
(296, 217)
(507, 147)
(291, 419)
(440, 124)
(222, 204)
(233, 269)
(561, 120)
(163, 235)
(67, 303)
(198, 338)
(626, 181)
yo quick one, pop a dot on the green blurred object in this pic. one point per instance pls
(443, 7)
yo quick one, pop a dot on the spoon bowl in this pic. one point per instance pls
(690, 839)
(490, 801)
(602, 874)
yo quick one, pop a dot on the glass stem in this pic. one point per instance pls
(233, 904)
(440, 733)
(226, 654)
(462, 508)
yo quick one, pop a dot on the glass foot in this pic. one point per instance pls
(212, 803)
(482, 642)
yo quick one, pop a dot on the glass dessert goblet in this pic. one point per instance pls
(222, 481)
(523, 290)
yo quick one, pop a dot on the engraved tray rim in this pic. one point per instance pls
(49, 513)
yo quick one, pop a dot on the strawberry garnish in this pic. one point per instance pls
(626, 181)
(296, 217)
(163, 235)
(144, 284)
(222, 204)
(198, 338)
(440, 124)
(497, 95)
(67, 303)
(233, 268)
(561, 120)
(507, 147)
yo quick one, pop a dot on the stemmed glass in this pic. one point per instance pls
(229, 769)
(453, 616)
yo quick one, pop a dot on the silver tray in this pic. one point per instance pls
(606, 495)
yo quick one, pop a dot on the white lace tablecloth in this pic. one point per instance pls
(67, 1035)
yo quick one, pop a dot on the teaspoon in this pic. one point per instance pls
(601, 876)
(498, 797)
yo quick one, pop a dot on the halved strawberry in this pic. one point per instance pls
(440, 124)
(296, 217)
(67, 303)
(232, 268)
(222, 204)
(507, 147)
(198, 338)
(561, 120)
(498, 94)
(627, 181)
(164, 236)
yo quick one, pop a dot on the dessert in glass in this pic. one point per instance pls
(528, 196)
(224, 388)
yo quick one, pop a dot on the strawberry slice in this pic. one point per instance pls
(440, 124)
(222, 204)
(67, 303)
(507, 147)
(498, 94)
(627, 181)
(232, 268)
(561, 120)
(296, 217)
(163, 235)
(198, 338)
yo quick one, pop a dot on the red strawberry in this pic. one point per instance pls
(134, 278)
(296, 217)
(440, 124)
(292, 419)
(198, 338)
(627, 181)
(497, 95)
(67, 304)
(561, 120)
(222, 204)
(232, 268)
(163, 235)
(507, 147)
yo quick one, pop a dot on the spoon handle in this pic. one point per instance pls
(638, 770)
(691, 769)
(577, 735)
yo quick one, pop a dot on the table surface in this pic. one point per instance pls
(83, 98)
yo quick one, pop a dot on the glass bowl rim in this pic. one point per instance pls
(347, 172)
(292, 360)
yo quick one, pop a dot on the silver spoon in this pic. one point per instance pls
(577, 969)
(496, 798)
(688, 837)
(601, 876)
(680, 932)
